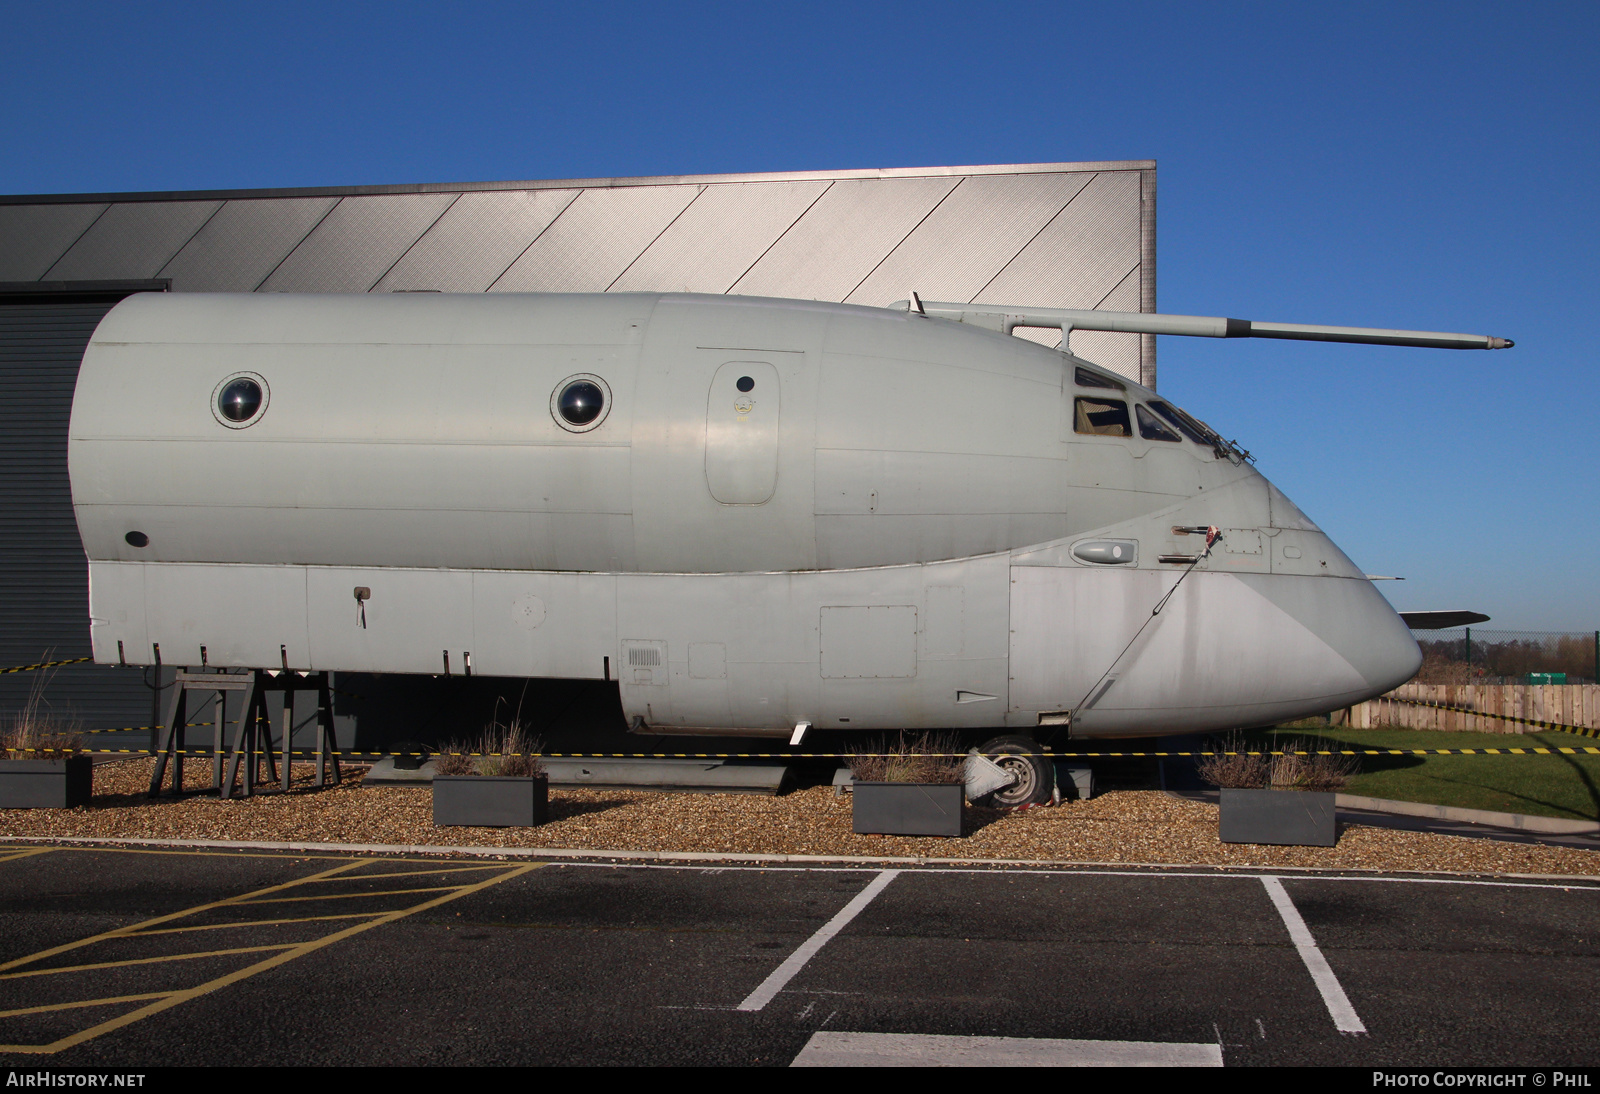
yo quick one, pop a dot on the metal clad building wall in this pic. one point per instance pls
(33, 237)
(719, 237)
(239, 248)
(132, 241)
(476, 241)
(980, 226)
(831, 250)
(1075, 235)
(43, 574)
(595, 239)
(356, 244)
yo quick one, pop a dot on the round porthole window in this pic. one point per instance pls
(580, 403)
(745, 383)
(240, 400)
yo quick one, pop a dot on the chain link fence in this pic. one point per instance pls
(1477, 655)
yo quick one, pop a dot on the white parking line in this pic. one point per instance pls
(826, 1049)
(796, 961)
(1344, 1015)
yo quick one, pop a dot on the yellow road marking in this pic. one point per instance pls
(122, 932)
(229, 852)
(79, 1005)
(29, 853)
(144, 961)
(422, 873)
(347, 896)
(255, 923)
(262, 966)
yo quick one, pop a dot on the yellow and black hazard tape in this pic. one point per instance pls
(143, 729)
(361, 756)
(1558, 727)
(46, 665)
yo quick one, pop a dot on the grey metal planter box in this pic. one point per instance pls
(46, 784)
(491, 801)
(1295, 817)
(908, 809)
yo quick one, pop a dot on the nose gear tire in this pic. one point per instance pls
(1035, 771)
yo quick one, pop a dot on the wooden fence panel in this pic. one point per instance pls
(1569, 704)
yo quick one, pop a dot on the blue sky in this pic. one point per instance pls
(1394, 165)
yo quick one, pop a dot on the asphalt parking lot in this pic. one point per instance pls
(128, 958)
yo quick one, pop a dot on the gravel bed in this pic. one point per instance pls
(1127, 826)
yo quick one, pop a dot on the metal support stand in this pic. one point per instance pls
(155, 703)
(171, 732)
(326, 742)
(288, 735)
(252, 738)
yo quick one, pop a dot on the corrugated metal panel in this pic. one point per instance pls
(596, 238)
(357, 243)
(837, 244)
(132, 240)
(719, 237)
(1147, 273)
(1079, 257)
(1082, 254)
(243, 243)
(1118, 352)
(44, 596)
(959, 247)
(32, 237)
(476, 240)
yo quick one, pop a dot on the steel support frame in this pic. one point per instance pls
(252, 736)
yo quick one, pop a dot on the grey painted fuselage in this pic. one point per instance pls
(788, 512)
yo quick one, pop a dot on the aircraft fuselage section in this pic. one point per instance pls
(749, 513)
(417, 431)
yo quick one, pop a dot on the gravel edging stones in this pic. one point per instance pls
(1118, 827)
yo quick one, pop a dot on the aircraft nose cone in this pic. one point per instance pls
(1399, 657)
(1372, 638)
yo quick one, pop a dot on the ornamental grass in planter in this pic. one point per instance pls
(908, 787)
(496, 781)
(42, 760)
(1279, 799)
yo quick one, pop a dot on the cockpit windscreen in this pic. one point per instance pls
(1089, 378)
(1101, 418)
(1196, 430)
(1152, 428)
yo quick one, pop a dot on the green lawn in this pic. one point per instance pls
(1546, 786)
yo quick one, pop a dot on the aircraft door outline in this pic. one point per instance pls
(743, 411)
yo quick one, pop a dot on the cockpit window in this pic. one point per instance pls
(1190, 427)
(1200, 433)
(1089, 378)
(1152, 428)
(1101, 418)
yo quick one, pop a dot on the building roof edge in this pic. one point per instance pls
(571, 184)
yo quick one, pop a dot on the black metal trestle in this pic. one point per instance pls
(252, 735)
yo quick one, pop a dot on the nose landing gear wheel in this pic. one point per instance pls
(1036, 775)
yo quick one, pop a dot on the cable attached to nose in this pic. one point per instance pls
(1213, 534)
